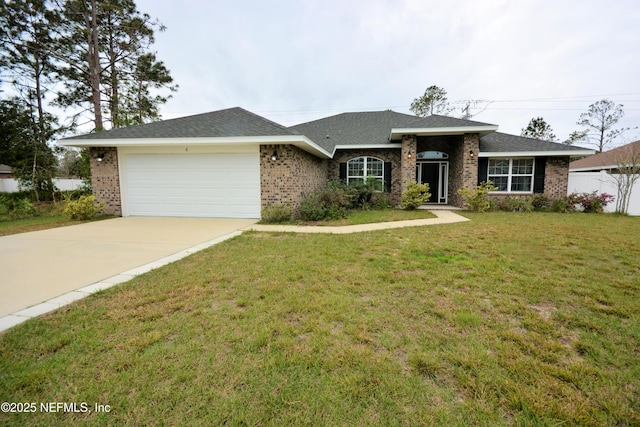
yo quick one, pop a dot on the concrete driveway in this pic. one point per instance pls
(41, 265)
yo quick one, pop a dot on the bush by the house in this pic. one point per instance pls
(82, 209)
(477, 199)
(277, 214)
(562, 205)
(515, 204)
(337, 198)
(380, 201)
(12, 208)
(591, 202)
(540, 202)
(415, 195)
(320, 205)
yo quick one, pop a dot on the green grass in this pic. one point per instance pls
(509, 319)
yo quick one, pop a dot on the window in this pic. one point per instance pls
(432, 155)
(511, 175)
(366, 169)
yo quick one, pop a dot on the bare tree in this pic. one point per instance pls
(600, 118)
(626, 173)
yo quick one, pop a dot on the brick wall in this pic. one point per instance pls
(469, 173)
(105, 179)
(294, 172)
(556, 176)
(408, 160)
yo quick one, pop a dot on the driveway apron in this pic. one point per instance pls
(40, 265)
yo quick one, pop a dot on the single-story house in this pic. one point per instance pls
(6, 171)
(601, 173)
(233, 163)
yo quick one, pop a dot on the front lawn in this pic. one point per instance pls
(509, 319)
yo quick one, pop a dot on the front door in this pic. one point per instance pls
(436, 175)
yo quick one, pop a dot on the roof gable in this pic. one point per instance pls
(375, 127)
(612, 158)
(498, 142)
(232, 122)
(361, 128)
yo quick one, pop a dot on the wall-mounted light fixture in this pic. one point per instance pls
(471, 155)
(409, 156)
(274, 156)
(100, 157)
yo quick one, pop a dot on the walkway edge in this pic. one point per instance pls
(443, 217)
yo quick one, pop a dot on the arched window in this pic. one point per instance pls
(366, 169)
(432, 155)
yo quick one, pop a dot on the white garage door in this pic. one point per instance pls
(196, 185)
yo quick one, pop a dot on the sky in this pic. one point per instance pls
(293, 61)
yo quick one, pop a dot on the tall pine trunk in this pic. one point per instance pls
(94, 64)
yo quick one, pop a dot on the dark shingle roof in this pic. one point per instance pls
(436, 121)
(352, 128)
(497, 142)
(373, 127)
(224, 123)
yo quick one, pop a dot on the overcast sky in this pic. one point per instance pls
(298, 60)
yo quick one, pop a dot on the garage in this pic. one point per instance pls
(190, 184)
(217, 164)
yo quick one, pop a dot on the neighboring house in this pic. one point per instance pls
(598, 173)
(5, 171)
(233, 163)
(9, 184)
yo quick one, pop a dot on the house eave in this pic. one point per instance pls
(396, 133)
(571, 153)
(365, 147)
(299, 141)
(594, 168)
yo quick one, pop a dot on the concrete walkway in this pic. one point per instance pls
(62, 265)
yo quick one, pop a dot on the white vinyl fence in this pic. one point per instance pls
(602, 182)
(10, 185)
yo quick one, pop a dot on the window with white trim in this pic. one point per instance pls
(511, 175)
(366, 169)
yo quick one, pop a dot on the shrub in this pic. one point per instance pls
(540, 202)
(562, 205)
(515, 204)
(82, 209)
(415, 195)
(591, 202)
(477, 199)
(13, 208)
(380, 201)
(275, 214)
(312, 208)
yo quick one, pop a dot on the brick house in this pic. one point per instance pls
(233, 163)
